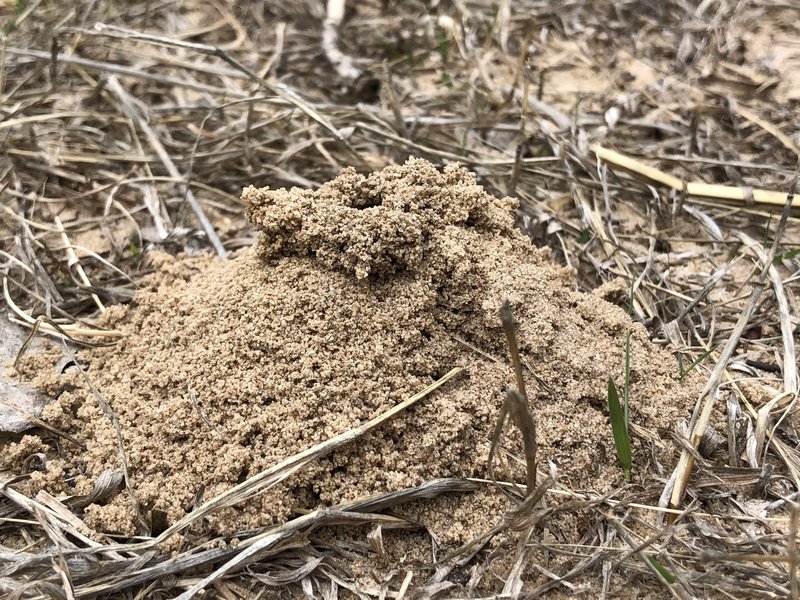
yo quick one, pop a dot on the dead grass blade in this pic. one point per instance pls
(768, 198)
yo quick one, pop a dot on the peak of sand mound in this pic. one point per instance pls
(399, 219)
(357, 296)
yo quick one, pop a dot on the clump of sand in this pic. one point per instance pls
(357, 296)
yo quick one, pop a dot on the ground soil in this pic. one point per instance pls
(357, 296)
(340, 302)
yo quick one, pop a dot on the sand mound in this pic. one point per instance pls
(357, 296)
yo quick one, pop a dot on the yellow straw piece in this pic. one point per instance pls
(694, 188)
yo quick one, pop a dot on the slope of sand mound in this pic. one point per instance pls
(357, 296)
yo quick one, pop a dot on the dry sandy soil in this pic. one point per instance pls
(268, 247)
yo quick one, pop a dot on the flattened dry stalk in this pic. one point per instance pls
(264, 544)
(401, 593)
(513, 585)
(516, 405)
(726, 193)
(269, 542)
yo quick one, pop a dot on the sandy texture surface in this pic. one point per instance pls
(358, 295)
(16, 400)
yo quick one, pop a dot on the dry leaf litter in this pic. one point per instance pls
(358, 295)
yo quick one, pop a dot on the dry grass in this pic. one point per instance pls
(139, 133)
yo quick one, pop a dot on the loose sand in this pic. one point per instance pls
(357, 296)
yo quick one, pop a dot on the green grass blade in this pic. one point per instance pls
(663, 571)
(626, 392)
(703, 356)
(786, 255)
(765, 243)
(620, 429)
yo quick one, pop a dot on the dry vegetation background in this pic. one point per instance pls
(127, 127)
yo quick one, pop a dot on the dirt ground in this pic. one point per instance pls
(263, 249)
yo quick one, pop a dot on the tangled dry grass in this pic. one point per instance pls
(127, 127)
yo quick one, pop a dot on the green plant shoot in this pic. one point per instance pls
(619, 427)
(662, 570)
(626, 392)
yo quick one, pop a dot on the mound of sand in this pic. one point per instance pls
(357, 296)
